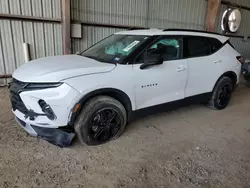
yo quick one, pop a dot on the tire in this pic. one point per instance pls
(100, 116)
(222, 89)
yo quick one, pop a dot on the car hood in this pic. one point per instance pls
(58, 68)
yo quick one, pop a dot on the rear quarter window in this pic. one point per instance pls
(215, 44)
(195, 46)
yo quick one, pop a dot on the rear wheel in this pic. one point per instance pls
(221, 94)
(102, 119)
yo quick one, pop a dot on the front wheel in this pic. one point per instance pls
(221, 94)
(102, 119)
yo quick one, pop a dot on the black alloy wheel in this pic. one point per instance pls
(222, 93)
(101, 120)
(104, 124)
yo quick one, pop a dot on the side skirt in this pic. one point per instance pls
(197, 99)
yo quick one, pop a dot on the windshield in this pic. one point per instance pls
(115, 48)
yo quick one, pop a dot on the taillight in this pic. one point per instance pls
(240, 59)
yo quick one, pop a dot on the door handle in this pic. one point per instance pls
(180, 69)
(218, 61)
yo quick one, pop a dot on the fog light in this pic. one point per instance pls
(47, 110)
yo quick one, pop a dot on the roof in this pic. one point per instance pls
(153, 32)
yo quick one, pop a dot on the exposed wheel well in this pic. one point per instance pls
(114, 93)
(230, 74)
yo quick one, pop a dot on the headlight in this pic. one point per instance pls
(42, 85)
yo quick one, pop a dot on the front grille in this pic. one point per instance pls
(15, 88)
(19, 83)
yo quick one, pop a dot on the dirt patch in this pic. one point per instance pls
(189, 147)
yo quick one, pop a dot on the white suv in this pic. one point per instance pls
(96, 93)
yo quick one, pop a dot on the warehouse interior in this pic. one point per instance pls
(188, 147)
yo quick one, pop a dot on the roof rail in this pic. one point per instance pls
(191, 30)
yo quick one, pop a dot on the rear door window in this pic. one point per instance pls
(168, 48)
(196, 46)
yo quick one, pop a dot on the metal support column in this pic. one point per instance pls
(66, 27)
(212, 10)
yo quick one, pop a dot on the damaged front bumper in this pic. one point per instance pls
(44, 112)
(59, 137)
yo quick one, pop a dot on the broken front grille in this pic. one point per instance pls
(15, 88)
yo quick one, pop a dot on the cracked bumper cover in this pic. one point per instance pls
(56, 136)
(61, 100)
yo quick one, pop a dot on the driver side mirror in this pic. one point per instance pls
(151, 60)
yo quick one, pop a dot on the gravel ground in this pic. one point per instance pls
(189, 147)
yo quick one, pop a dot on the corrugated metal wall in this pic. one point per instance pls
(189, 14)
(44, 39)
(177, 14)
(144, 13)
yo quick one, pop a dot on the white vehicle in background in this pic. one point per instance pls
(96, 93)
